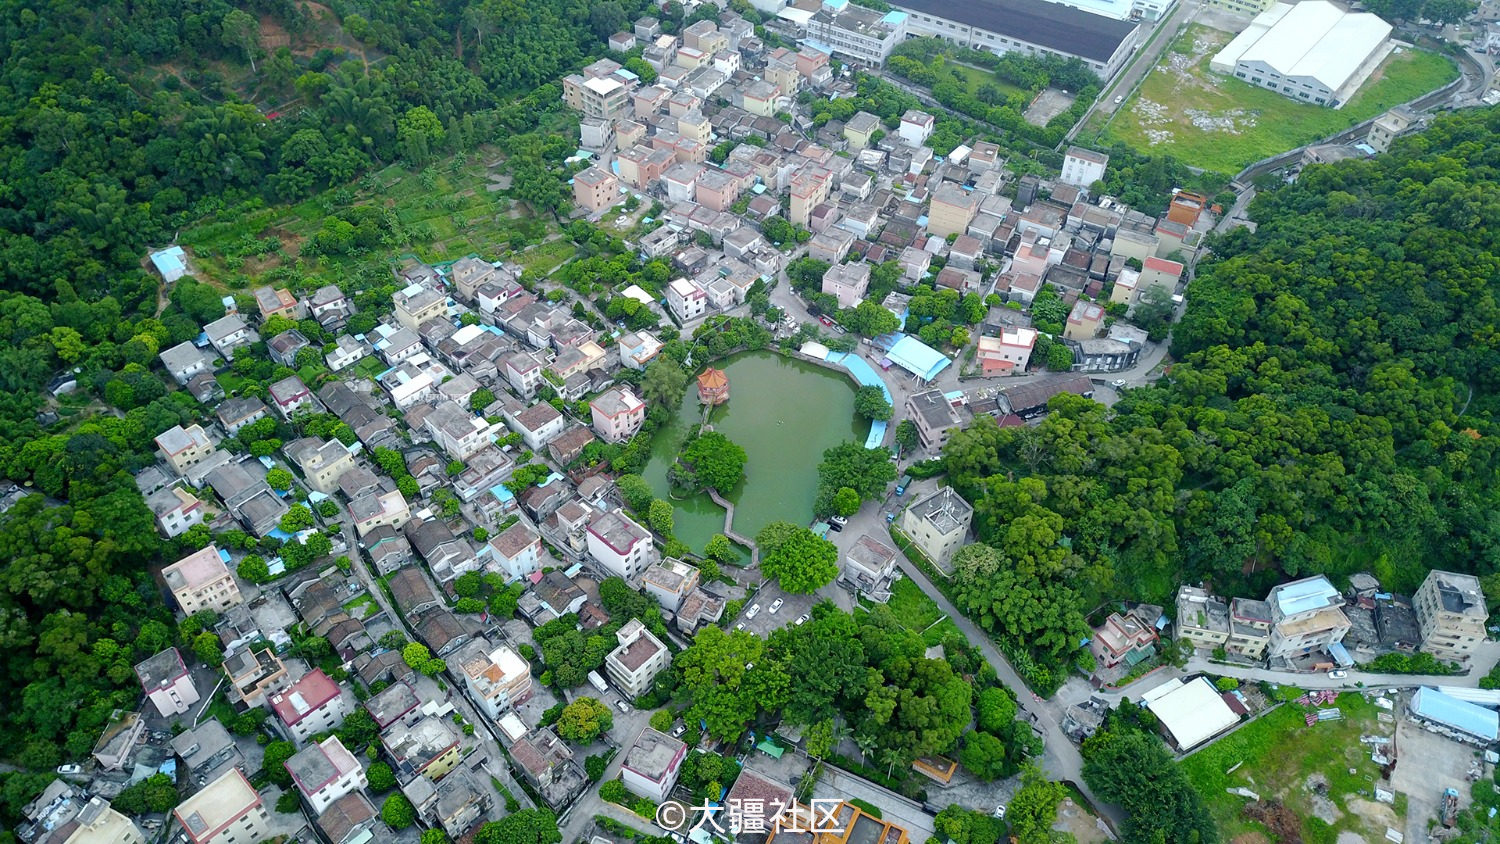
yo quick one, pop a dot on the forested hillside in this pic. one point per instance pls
(1333, 410)
(121, 123)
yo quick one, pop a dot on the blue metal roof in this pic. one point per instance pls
(1299, 596)
(1461, 715)
(170, 262)
(917, 357)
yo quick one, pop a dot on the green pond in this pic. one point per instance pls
(785, 413)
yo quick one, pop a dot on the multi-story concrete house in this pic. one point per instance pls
(227, 811)
(312, 705)
(937, 524)
(1451, 614)
(634, 664)
(496, 677)
(324, 772)
(184, 448)
(617, 414)
(168, 685)
(619, 545)
(201, 581)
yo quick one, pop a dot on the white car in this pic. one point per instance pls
(802, 619)
(775, 605)
(1119, 99)
(69, 770)
(622, 706)
(754, 611)
(740, 626)
(1337, 674)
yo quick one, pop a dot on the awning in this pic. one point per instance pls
(1340, 654)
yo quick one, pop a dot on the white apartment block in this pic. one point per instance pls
(619, 545)
(639, 658)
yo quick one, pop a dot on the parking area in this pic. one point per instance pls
(772, 607)
(1426, 765)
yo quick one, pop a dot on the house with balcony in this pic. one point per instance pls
(496, 677)
(1451, 614)
(202, 581)
(1202, 618)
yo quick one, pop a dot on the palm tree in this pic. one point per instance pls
(866, 743)
(892, 758)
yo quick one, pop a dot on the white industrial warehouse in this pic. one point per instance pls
(1311, 51)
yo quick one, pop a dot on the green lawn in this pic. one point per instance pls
(362, 607)
(1279, 753)
(978, 76)
(369, 367)
(1220, 123)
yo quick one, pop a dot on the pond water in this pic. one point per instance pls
(785, 413)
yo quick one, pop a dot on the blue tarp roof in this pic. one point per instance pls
(866, 376)
(917, 357)
(1449, 711)
(893, 17)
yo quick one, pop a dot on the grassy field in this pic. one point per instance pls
(917, 612)
(1220, 123)
(443, 213)
(1307, 768)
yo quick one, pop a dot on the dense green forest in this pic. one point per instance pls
(120, 123)
(1333, 409)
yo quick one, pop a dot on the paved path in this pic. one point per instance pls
(578, 818)
(484, 734)
(1484, 659)
(1062, 760)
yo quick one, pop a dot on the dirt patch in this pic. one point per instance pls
(1374, 814)
(1048, 104)
(1079, 822)
(273, 36)
(1282, 822)
(1322, 808)
(1252, 837)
